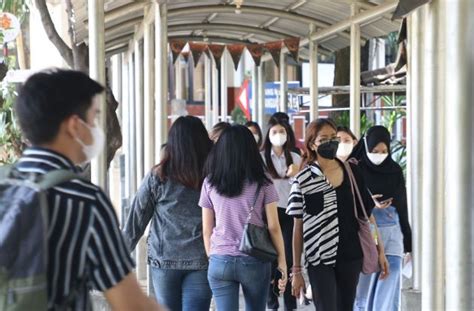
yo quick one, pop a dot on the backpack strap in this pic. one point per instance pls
(54, 178)
(5, 171)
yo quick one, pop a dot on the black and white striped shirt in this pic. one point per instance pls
(314, 199)
(86, 248)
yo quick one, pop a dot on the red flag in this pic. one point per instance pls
(243, 100)
(217, 50)
(185, 55)
(275, 49)
(176, 47)
(256, 50)
(293, 45)
(197, 49)
(236, 51)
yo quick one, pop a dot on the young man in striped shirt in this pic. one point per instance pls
(57, 112)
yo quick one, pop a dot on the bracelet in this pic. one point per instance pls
(296, 268)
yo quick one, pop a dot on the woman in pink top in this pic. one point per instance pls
(234, 171)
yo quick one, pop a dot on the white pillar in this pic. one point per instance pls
(224, 100)
(313, 76)
(415, 138)
(97, 72)
(125, 125)
(432, 167)
(149, 98)
(355, 75)
(132, 127)
(161, 79)
(261, 96)
(207, 92)
(179, 78)
(283, 82)
(255, 93)
(215, 92)
(139, 110)
(457, 25)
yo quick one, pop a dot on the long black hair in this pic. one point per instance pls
(256, 126)
(267, 148)
(291, 138)
(235, 159)
(185, 153)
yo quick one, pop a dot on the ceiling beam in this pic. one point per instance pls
(230, 27)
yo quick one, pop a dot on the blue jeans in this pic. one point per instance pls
(227, 273)
(375, 294)
(182, 289)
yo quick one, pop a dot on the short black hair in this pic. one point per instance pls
(250, 124)
(49, 97)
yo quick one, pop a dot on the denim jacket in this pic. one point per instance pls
(175, 240)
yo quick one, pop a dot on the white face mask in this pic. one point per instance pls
(98, 141)
(375, 158)
(278, 139)
(256, 137)
(344, 150)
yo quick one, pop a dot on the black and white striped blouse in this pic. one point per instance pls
(314, 199)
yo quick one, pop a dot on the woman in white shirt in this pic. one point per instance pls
(282, 164)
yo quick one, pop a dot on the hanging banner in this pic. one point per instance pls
(256, 50)
(176, 47)
(217, 50)
(197, 49)
(185, 56)
(243, 100)
(293, 45)
(236, 51)
(275, 49)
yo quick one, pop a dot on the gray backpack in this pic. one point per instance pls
(23, 237)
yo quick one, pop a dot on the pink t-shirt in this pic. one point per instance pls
(231, 214)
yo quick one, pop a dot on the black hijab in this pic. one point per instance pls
(383, 178)
(386, 179)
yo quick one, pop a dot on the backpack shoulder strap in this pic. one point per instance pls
(57, 177)
(5, 171)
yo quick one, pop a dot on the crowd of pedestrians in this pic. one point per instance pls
(198, 200)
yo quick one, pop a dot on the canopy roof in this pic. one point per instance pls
(216, 21)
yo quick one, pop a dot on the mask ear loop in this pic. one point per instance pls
(366, 145)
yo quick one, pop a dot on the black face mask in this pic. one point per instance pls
(328, 150)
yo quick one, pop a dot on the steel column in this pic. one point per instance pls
(283, 83)
(255, 93)
(313, 76)
(261, 96)
(132, 126)
(215, 92)
(149, 91)
(224, 101)
(161, 78)
(355, 75)
(415, 138)
(457, 25)
(97, 72)
(139, 110)
(207, 92)
(432, 166)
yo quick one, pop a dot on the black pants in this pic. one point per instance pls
(286, 224)
(334, 288)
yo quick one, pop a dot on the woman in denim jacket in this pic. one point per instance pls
(168, 197)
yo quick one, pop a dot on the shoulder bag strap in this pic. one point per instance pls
(252, 208)
(355, 191)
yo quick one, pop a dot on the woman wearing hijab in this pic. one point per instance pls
(384, 179)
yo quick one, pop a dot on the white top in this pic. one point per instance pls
(282, 185)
